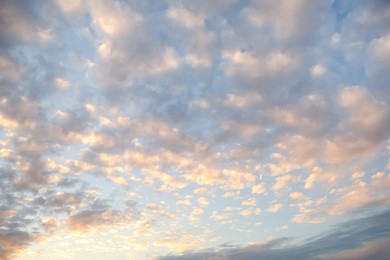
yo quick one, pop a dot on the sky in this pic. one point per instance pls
(226, 129)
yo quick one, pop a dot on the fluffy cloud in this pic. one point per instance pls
(203, 201)
(249, 202)
(282, 181)
(276, 207)
(296, 195)
(258, 189)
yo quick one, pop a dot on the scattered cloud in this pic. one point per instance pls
(171, 126)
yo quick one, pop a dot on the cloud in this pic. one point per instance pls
(11, 241)
(258, 189)
(197, 211)
(363, 238)
(376, 249)
(99, 216)
(203, 201)
(181, 241)
(275, 208)
(246, 212)
(183, 203)
(215, 216)
(319, 175)
(16, 25)
(249, 202)
(359, 197)
(362, 196)
(296, 195)
(282, 181)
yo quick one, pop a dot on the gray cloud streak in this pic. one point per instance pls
(352, 235)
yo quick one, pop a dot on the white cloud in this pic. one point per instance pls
(197, 211)
(275, 208)
(200, 190)
(284, 180)
(249, 202)
(203, 201)
(259, 188)
(184, 17)
(115, 17)
(318, 174)
(246, 212)
(318, 70)
(296, 195)
(183, 202)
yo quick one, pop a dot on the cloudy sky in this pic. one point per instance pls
(195, 129)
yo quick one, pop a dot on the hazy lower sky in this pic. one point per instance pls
(198, 129)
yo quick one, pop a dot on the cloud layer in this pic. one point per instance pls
(181, 125)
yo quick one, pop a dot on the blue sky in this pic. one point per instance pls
(194, 129)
